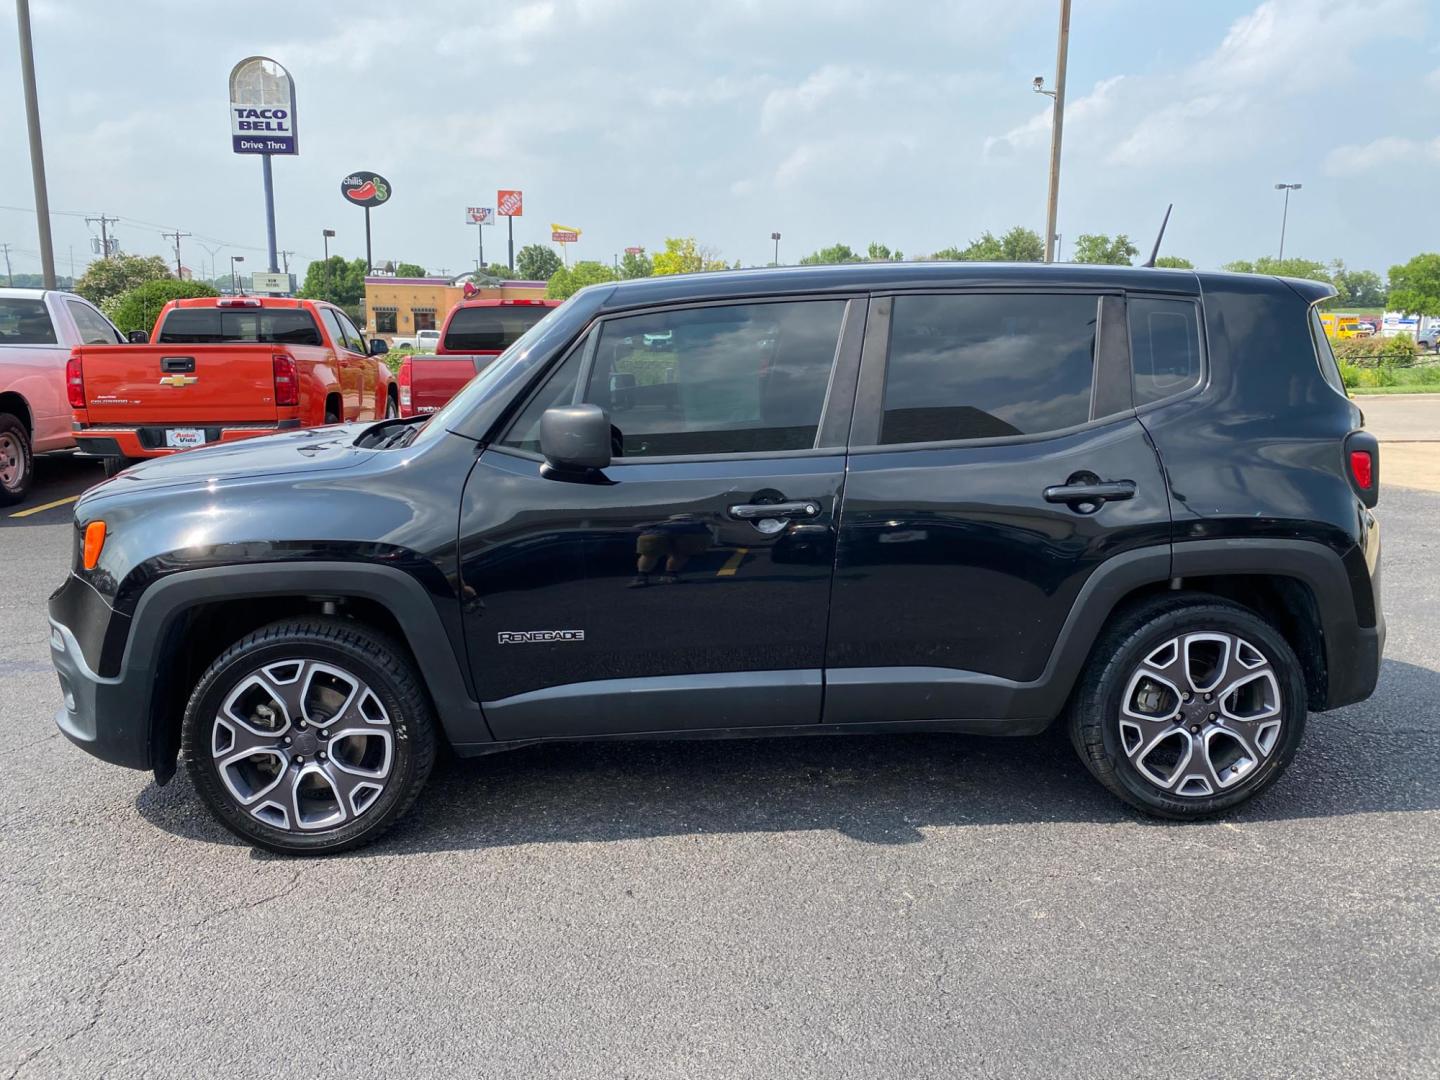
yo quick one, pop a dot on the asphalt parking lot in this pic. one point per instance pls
(908, 906)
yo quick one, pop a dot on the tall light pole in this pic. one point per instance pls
(1285, 214)
(776, 237)
(325, 237)
(37, 151)
(1057, 126)
(235, 278)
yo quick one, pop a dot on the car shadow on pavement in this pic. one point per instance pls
(885, 789)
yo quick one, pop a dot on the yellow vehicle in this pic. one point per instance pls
(1340, 326)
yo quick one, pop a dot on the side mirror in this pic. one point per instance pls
(138, 337)
(575, 438)
(379, 346)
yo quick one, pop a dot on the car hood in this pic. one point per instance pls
(308, 451)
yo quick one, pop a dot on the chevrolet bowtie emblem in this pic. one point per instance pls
(178, 380)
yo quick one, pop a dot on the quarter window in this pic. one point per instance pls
(25, 322)
(742, 378)
(988, 366)
(1164, 347)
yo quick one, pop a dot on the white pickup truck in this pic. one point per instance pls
(422, 340)
(38, 328)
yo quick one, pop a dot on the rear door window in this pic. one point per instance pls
(491, 329)
(985, 366)
(1164, 347)
(25, 322)
(215, 326)
(93, 327)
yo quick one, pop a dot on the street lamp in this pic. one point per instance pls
(776, 237)
(325, 237)
(1285, 214)
(235, 278)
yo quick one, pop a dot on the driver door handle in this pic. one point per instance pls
(760, 511)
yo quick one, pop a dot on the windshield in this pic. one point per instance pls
(490, 328)
(211, 326)
(478, 388)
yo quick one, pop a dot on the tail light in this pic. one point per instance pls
(1362, 460)
(287, 381)
(75, 382)
(405, 378)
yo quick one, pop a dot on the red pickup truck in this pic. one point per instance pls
(218, 370)
(475, 332)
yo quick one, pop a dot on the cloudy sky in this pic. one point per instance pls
(829, 120)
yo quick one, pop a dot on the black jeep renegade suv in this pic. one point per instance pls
(875, 497)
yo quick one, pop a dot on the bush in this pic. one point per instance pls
(1369, 352)
(138, 308)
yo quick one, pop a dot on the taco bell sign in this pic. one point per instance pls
(262, 108)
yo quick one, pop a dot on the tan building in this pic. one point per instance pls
(404, 306)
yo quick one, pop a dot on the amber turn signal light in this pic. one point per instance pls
(94, 541)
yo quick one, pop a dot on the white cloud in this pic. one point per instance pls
(1388, 152)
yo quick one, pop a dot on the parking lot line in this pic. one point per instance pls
(45, 506)
(733, 563)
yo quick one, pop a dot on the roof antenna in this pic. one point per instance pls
(1156, 249)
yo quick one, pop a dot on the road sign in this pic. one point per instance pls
(262, 108)
(365, 188)
(510, 203)
(278, 284)
(480, 215)
(635, 251)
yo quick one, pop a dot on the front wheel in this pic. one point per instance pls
(309, 736)
(1191, 705)
(114, 466)
(17, 462)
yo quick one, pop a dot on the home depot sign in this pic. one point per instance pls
(510, 203)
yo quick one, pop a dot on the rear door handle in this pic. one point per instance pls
(1098, 492)
(760, 511)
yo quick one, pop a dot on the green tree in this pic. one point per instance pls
(1357, 288)
(682, 255)
(138, 308)
(636, 265)
(536, 262)
(1099, 248)
(404, 269)
(105, 279)
(1174, 262)
(835, 253)
(565, 283)
(336, 279)
(881, 253)
(1415, 286)
(1018, 245)
(1268, 264)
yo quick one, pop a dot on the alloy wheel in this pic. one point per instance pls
(1201, 713)
(302, 745)
(12, 461)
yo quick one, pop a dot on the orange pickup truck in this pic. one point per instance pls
(222, 369)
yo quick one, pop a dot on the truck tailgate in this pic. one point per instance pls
(176, 384)
(436, 379)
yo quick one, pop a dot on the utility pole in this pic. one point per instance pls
(9, 277)
(285, 258)
(176, 235)
(104, 236)
(37, 151)
(1285, 214)
(1057, 127)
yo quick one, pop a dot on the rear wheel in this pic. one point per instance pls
(1191, 705)
(392, 407)
(17, 463)
(309, 736)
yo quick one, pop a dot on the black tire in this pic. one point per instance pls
(1094, 719)
(364, 654)
(114, 466)
(17, 460)
(392, 407)
(331, 418)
